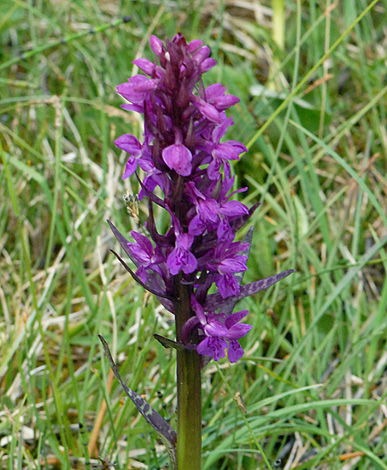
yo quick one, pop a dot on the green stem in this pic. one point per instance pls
(278, 7)
(189, 406)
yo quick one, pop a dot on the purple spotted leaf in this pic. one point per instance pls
(123, 242)
(166, 433)
(216, 302)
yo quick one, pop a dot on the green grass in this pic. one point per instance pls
(313, 112)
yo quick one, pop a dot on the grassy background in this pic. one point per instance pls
(312, 83)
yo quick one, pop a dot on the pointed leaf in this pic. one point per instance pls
(123, 242)
(168, 343)
(167, 434)
(137, 279)
(216, 302)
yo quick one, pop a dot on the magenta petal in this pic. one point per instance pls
(213, 169)
(130, 167)
(181, 259)
(233, 209)
(224, 231)
(238, 331)
(136, 89)
(193, 45)
(146, 164)
(196, 226)
(219, 131)
(139, 254)
(129, 143)
(193, 191)
(233, 265)
(227, 285)
(174, 262)
(207, 64)
(210, 112)
(184, 241)
(143, 242)
(177, 157)
(238, 146)
(145, 65)
(235, 351)
(215, 328)
(198, 309)
(138, 108)
(204, 348)
(226, 102)
(236, 317)
(190, 263)
(208, 210)
(156, 45)
(213, 347)
(145, 84)
(226, 151)
(215, 90)
(201, 54)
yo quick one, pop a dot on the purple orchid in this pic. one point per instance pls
(187, 173)
(181, 257)
(220, 332)
(147, 257)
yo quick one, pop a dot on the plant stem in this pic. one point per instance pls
(278, 7)
(189, 427)
(189, 406)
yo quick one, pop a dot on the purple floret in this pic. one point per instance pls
(220, 332)
(181, 257)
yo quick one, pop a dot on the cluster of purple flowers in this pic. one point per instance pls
(187, 173)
